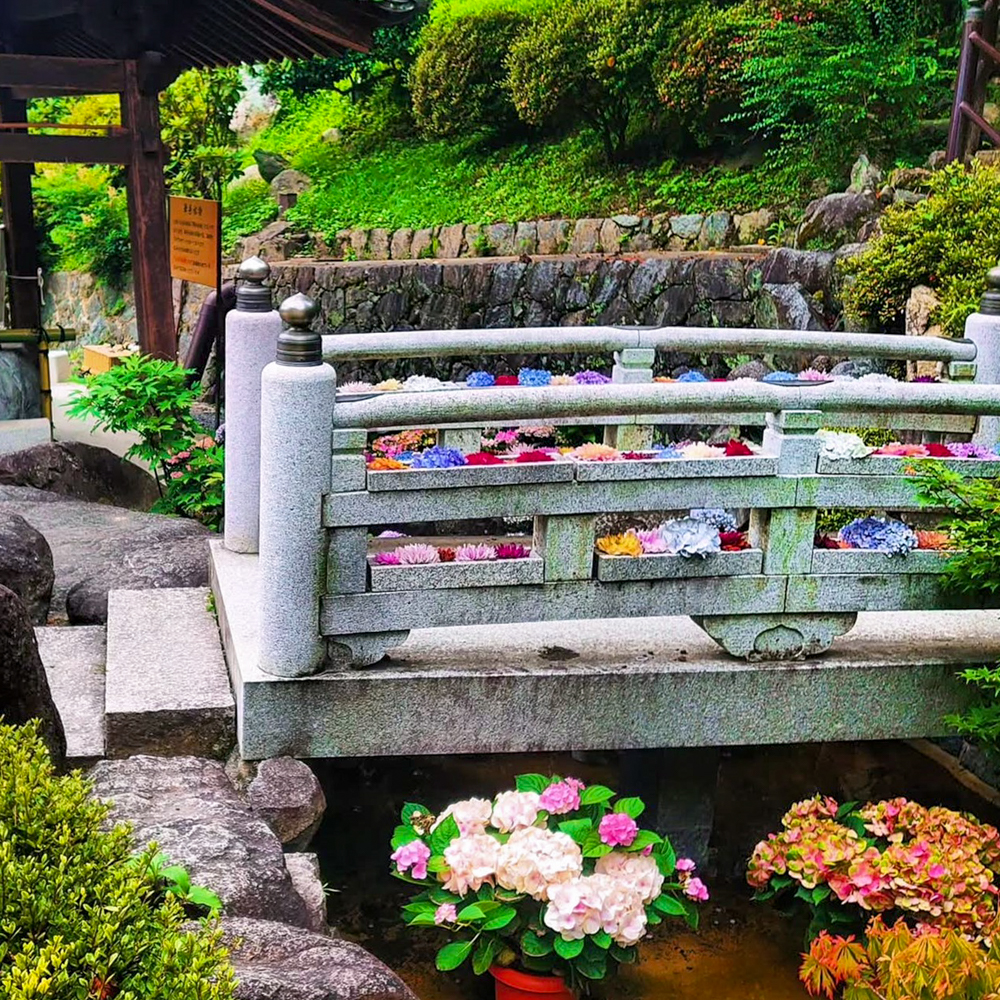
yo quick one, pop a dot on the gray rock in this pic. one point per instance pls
(287, 796)
(753, 226)
(378, 244)
(813, 269)
(586, 236)
(303, 870)
(450, 241)
(19, 387)
(192, 811)
(750, 369)
(526, 238)
(836, 218)
(423, 244)
(865, 176)
(270, 164)
(717, 232)
(903, 197)
(290, 182)
(26, 565)
(686, 227)
(97, 548)
(501, 237)
(277, 241)
(400, 245)
(937, 159)
(910, 177)
(553, 236)
(277, 962)
(626, 221)
(796, 309)
(81, 471)
(856, 367)
(24, 688)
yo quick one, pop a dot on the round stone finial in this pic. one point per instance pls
(298, 345)
(251, 294)
(990, 304)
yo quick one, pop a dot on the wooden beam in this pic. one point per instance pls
(19, 147)
(314, 21)
(147, 210)
(76, 75)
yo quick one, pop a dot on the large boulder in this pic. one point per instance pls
(270, 164)
(287, 796)
(97, 548)
(794, 307)
(19, 386)
(191, 809)
(81, 471)
(26, 565)
(276, 962)
(24, 688)
(836, 218)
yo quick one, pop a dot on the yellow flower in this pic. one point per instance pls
(595, 453)
(389, 385)
(620, 545)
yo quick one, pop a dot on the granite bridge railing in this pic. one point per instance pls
(300, 494)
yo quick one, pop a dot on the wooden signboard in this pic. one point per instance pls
(195, 240)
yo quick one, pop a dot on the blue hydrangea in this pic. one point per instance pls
(716, 517)
(480, 380)
(780, 377)
(438, 458)
(534, 376)
(666, 451)
(406, 457)
(693, 376)
(877, 534)
(690, 538)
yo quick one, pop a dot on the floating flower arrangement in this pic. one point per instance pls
(533, 377)
(697, 536)
(839, 445)
(882, 534)
(427, 555)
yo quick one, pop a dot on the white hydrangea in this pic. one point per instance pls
(515, 810)
(836, 445)
(640, 872)
(534, 860)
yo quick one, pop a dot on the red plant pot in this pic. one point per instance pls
(514, 985)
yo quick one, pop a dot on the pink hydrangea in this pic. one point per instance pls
(652, 541)
(535, 859)
(641, 872)
(560, 798)
(475, 553)
(575, 783)
(471, 861)
(618, 830)
(515, 810)
(471, 815)
(413, 855)
(685, 865)
(696, 889)
(446, 913)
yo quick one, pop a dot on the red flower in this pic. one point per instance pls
(733, 541)
(534, 456)
(506, 380)
(737, 449)
(939, 450)
(482, 458)
(446, 555)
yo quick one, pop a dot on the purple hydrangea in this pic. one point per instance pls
(780, 377)
(933, 380)
(534, 377)
(590, 378)
(693, 376)
(438, 458)
(480, 380)
(877, 534)
(965, 449)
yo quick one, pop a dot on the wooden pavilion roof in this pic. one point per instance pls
(194, 33)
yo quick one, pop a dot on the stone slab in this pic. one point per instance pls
(456, 575)
(675, 468)
(475, 475)
(74, 665)
(531, 687)
(615, 569)
(884, 591)
(167, 688)
(857, 492)
(888, 465)
(408, 506)
(16, 435)
(860, 563)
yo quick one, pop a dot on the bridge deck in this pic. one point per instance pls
(612, 684)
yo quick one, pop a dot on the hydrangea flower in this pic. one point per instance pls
(563, 380)
(637, 456)
(592, 452)
(773, 377)
(534, 377)
(479, 380)
(413, 855)
(597, 902)
(381, 464)
(878, 534)
(387, 559)
(733, 541)
(393, 534)
(877, 377)
(446, 913)
(652, 541)
(618, 829)
(935, 540)
(475, 553)
(439, 458)
(422, 383)
(559, 798)
(535, 860)
(640, 873)
(506, 380)
(471, 815)
(417, 555)
(693, 376)
(936, 450)
(589, 377)
(837, 445)
(482, 458)
(446, 555)
(965, 449)
(666, 451)
(737, 449)
(472, 862)
(813, 375)
(511, 551)
(515, 810)
(718, 518)
(927, 379)
(904, 451)
(696, 889)
(689, 537)
(389, 385)
(533, 456)
(353, 388)
(698, 449)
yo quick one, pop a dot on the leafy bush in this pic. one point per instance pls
(194, 485)
(948, 242)
(457, 81)
(79, 919)
(246, 208)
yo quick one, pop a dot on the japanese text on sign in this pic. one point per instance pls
(194, 240)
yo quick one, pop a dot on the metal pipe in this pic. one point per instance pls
(565, 340)
(452, 406)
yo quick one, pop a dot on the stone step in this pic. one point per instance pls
(167, 688)
(74, 663)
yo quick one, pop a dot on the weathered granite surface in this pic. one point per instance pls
(26, 565)
(288, 797)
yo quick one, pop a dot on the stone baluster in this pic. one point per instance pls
(983, 329)
(632, 365)
(252, 331)
(297, 398)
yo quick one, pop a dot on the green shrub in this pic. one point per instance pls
(590, 62)
(948, 242)
(246, 208)
(79, 919)
(194, 485)
(457, 81)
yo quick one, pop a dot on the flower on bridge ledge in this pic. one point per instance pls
(389, 385)
(505, 380)
(422, 383)
(934, 540)
(512, 551)
(353, 388)
(418, 555)
(480, 380)
(690, 537)
(878, 534)
(563, 380)
(593, 452)
(482, 458)
(439, 458)
(446, 555)
(693, 376)
(904, 451)
(589, 377)
(733, 541)
(698, 449)
(837, 445)
(965, 449)
(718, 518)
(652, 541)
(475, 553)
(620, 545)
(385, 464)
(534, 377)
(773, 377)
(813, 375)
(737, 449)
(387, 559)
(533, 456)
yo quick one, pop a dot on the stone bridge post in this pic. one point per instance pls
(298, 392)
(983, 329)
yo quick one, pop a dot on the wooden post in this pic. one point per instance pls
(147, 207)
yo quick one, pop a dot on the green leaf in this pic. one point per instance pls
(438, 864)
(539, 963)
(666, 859)
(412, 808)
(670, 906)
(568, 949)
(411, 909)
(500, 919)
(443, 835)
(644, 839)
(631, 807)
(578, 829)
(626, 956)
(846, 809)
(484, 955)
(403, 835)
(532, 783)
(178, 876)
(594, 847)
(592, 968)
(691, 913)
(471, 912)
(422, 920)
(652, 917)
(451, 956)
(536, 945)
(595, 795)
(201, 896)
(602, 939)
(440, 896)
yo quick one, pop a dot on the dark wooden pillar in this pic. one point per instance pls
(19, 224)
(147, 207)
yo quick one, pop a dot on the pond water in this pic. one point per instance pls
(743, 950)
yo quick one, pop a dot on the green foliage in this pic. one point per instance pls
(194, 485)
(195, 112)
(948, 242)
(79, 917)
(246, 208)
